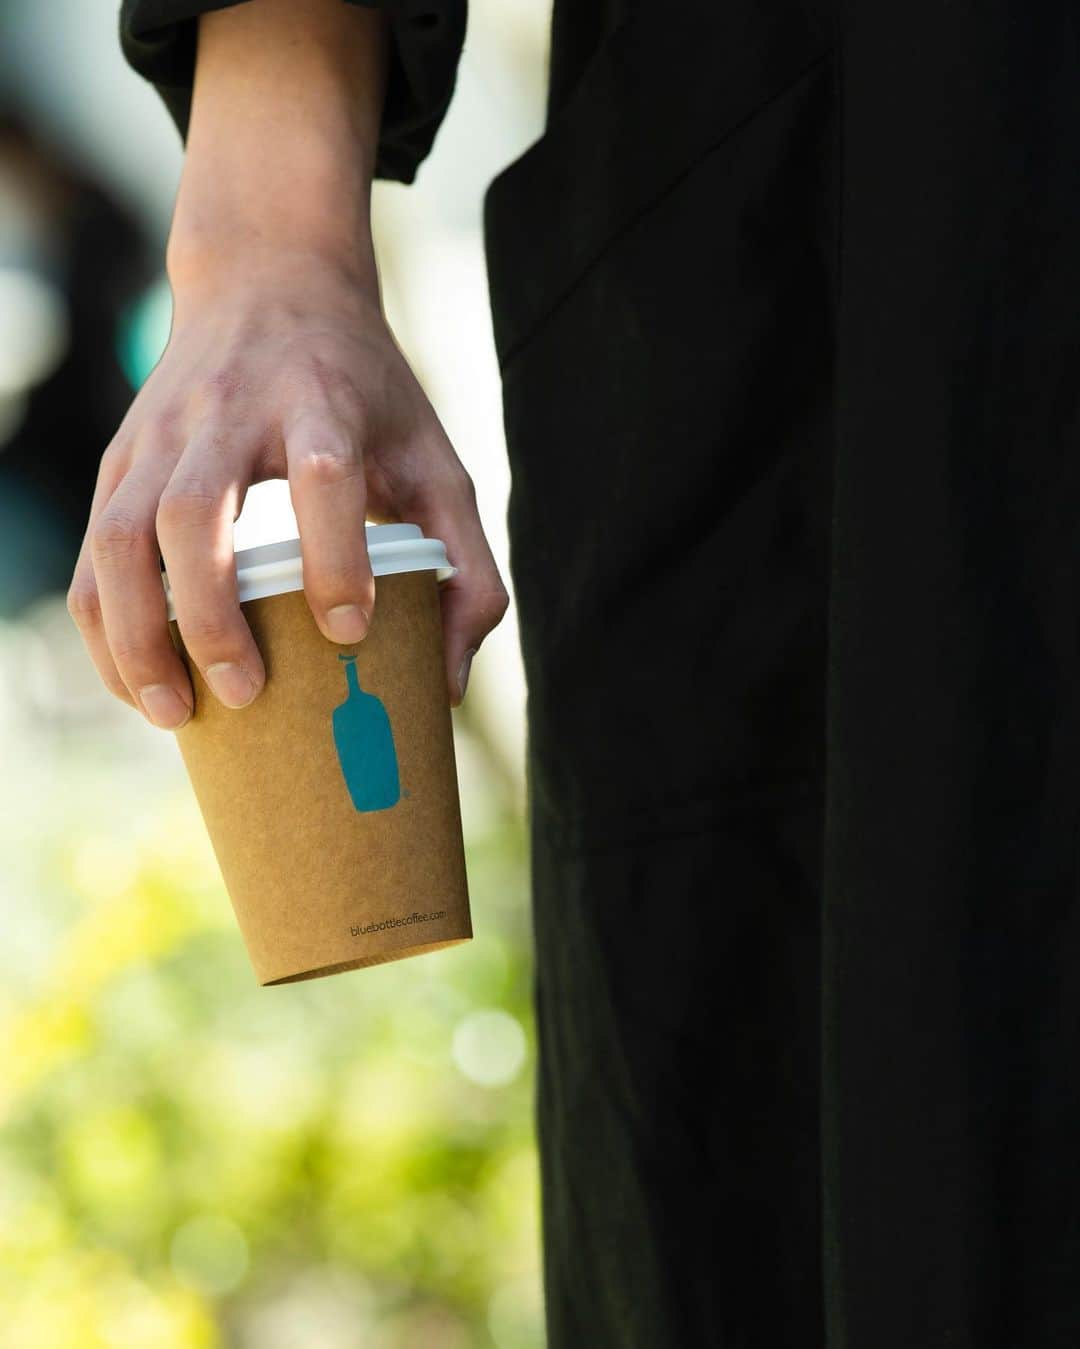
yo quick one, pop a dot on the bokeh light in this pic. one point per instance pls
(210, 1253)
(143, 331)
(33, 329)
(489, 1047)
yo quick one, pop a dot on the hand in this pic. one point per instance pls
(282, 367)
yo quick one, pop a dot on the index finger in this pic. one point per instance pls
(195, 530)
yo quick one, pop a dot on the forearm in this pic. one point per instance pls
(281, 146)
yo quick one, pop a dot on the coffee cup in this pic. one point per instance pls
(332, 800)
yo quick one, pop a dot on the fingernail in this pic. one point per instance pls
(346, 623)
(463, 673)
(232, 685)
(164, 706)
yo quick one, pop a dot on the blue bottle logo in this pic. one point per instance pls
(365, 746)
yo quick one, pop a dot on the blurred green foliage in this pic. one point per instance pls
(188, 1160)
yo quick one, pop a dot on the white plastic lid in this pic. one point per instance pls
(275, 568)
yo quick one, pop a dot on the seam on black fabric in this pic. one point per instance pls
(653, 203)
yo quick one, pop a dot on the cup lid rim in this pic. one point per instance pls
(275, 568)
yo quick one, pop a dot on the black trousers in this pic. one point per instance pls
(787, 303)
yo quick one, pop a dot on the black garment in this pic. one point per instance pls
(952, 923)
(662, 291)
(786, 307)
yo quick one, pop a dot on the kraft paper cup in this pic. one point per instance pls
(332, 800)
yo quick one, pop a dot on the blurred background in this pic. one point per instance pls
(188, 1160)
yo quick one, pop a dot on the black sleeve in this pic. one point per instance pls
(158, 39)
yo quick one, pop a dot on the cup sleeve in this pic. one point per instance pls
(158, 38)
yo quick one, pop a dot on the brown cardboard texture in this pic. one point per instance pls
(332, 800)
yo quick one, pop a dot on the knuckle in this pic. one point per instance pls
(489, 603)
(329, 463)
(116, 536)
(464, 486)
(186, 504)
(206, 629)
(83, 603)
(493, 605)
(452, 483)
(133, 656)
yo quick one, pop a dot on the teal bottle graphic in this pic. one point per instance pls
(365, 746)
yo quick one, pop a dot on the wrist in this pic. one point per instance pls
(281, 146)
(207, 254)
(289, 272)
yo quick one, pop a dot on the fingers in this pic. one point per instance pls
(326, 483)
(124, 551)
(195, 518)
(83, 600)
(475, 600)
(184, 506)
